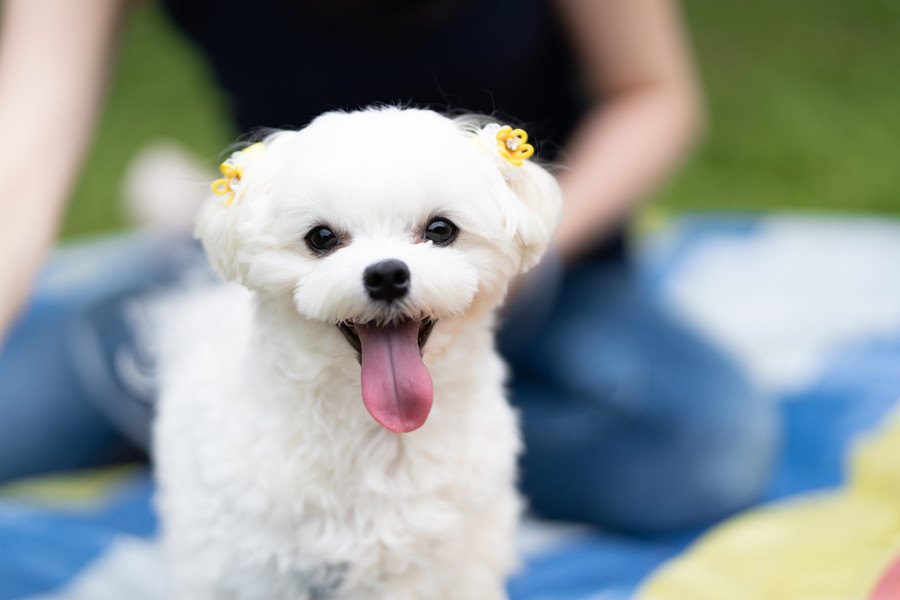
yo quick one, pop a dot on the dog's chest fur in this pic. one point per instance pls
(276, 483)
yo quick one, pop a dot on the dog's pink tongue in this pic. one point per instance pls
(396, 385)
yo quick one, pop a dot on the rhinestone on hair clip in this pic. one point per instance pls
(513, 145)
(233, 171)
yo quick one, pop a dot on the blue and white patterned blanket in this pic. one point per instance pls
(811, 306)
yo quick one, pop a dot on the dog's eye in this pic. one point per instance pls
(321, 239)
(440, 231)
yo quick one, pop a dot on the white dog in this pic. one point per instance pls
(340, 430)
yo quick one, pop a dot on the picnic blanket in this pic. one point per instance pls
(810, 306)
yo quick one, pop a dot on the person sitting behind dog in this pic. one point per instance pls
(631, 420)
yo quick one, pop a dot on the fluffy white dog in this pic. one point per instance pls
(336, 426)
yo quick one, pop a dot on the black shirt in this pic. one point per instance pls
(283, 62)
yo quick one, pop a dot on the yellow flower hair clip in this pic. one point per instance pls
(513, 145)
(234, 172)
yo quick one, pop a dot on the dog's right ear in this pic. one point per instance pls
(225, 222)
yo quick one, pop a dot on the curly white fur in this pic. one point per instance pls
(275, 482)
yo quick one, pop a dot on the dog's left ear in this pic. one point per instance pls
(538, 210)
(535, 201)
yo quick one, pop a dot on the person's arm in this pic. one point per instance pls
(54, 58)
(648, 112)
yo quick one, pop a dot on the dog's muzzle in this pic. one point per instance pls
(396, 386)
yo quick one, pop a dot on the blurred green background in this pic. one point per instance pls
(804, 100)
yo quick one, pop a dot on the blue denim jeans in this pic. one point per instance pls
(631, 420)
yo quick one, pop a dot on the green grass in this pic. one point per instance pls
(804, 97)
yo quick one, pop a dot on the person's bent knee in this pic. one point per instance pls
(694, 478)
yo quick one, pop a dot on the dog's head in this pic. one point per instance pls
(383, 223)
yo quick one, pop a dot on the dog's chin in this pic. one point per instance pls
(396, 386)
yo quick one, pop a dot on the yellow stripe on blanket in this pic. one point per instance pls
(834, 546)
(73, 490)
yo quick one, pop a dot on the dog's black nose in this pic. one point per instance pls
(387, 280)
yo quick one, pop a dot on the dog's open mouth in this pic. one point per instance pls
(396, 386)
(349, 330)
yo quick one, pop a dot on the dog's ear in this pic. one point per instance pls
(536, 205)
(540, 204)
(217, 229)
(225, 223)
